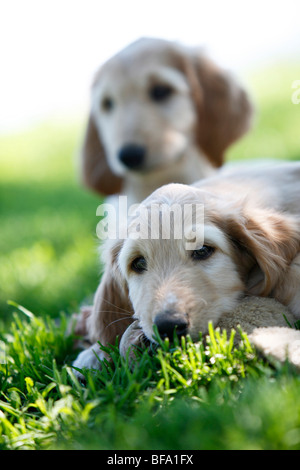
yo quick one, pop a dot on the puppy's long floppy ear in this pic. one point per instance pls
(95, 171)
(112, 310)
(223, 107)
(266, 244)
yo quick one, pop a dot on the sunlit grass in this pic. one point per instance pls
(210, 395)
(48, 244)
(275, 130)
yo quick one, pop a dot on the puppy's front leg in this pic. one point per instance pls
(89, 359)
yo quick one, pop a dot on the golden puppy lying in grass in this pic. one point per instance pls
(246, 242)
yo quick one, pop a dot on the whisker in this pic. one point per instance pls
(127, 315)
(116, 306)
(115, 321)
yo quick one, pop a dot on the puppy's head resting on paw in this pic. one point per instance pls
(160, 112)
(259, 317)
(175, 287)
(245, 243)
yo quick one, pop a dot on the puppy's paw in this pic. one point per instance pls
(281, 343)
(133, 336)
(88, 359)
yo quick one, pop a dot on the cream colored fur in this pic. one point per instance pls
(184, 135)
(252, 222)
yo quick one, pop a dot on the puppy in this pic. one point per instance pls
(160, 113)
(249, 244)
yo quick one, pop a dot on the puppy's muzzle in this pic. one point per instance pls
(133, 156)
(169, 322)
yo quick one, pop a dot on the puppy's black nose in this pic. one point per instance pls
(169, 322)
(132, 156)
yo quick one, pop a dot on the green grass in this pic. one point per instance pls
(190, 397)
(276, 124)
(48, 258)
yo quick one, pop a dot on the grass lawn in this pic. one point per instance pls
(190, 397)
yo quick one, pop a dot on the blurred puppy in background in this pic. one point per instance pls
(160, 113)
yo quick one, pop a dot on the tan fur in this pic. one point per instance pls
(252, 219)
(95, 170)
(256, 312)
(112, 311)
(185, 137)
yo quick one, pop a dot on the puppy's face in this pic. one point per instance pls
(143, 110)
(175, 287)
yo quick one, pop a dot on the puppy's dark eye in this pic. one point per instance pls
(160, 92)
(139, 265)
(107, 104)
(203, 253)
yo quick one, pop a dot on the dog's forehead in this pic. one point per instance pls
(177, 193)
(145, 49)
(170, 197)
(173, 216)
(141, 58)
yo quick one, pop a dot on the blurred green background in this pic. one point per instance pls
(48, 244)
(48, 260)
